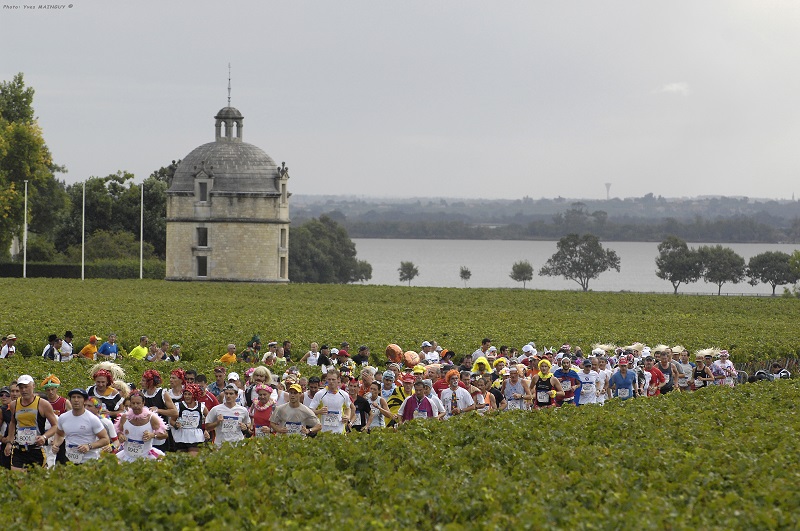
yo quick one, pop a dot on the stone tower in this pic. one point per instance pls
(228, 211)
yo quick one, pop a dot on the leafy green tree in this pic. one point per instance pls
(721, 265)
(105, 245)
(522, 272)
(320, 251)
(16, 101)
(580, 258)
(465, 274)
(363, 271)
(24, 156)
(113, 204)
(773, 268)
(677, 263)
(408, 271)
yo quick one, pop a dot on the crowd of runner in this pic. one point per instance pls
(154, 416)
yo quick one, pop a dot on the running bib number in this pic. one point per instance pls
(420, 415)
(543, 397)
(26, 436)
(293, 427)
(699, 383)
(260, 432)
(588, 389)
(230, 425)
(73, 454)
(624, 393)
(134, 448)
(729, 381)
(683, 381)
(513, 404)
(190, 420)
(566, 385)
(357, 422)
(331, 420)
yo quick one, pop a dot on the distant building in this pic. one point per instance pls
(228, 211)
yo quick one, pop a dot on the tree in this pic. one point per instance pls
(773, 268)
(363, 271)
(677, 263)
(23, 157)
(580, 258)
(105, 245)
(465, 274)
(522, 272)
(408, 271)
(321, 251)
(721, 265)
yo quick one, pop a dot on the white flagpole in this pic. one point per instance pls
(83, 233)
(25, 237)
(141, 236)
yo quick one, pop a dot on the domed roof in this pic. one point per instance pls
(236, 167)
(228, 112)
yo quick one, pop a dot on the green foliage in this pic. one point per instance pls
(727, 459)
(721, 265)
(16, 100)
(408, 272)
(773, 268)
(580, 258)
(24, 157)
(677, 263)
(321, 252)
(126, 268)
(522, 272)
(113, 204)
(465, 274)
(103, 245)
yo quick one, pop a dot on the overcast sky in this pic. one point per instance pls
(428, 98)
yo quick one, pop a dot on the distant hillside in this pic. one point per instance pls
(647, 218)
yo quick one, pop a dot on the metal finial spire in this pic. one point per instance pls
(229, 84)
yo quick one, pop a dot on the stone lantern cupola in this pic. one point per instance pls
(228, 120)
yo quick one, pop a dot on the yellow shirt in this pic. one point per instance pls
(138, 352)
(228, 358)
(89, 351)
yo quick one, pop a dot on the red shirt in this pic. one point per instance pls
(209, 400)
(60, 405)
(656, 378)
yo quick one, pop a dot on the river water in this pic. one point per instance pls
(490, 261)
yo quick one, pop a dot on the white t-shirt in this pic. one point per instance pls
(335, 402)
(463, 399)
(78, 430)
(430, 357)
(229, 430)
(7, 350)
(312, 357)
(590, 384)
(66, 351)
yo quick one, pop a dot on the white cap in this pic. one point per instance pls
(598, 352)
(492, 349)
(527, 348)
(334, 351)
(25, 379)
(646, 351)
(426, 344)
(233, 376)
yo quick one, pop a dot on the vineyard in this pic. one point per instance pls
(204, 317)
(718, 459)
(721, 458)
